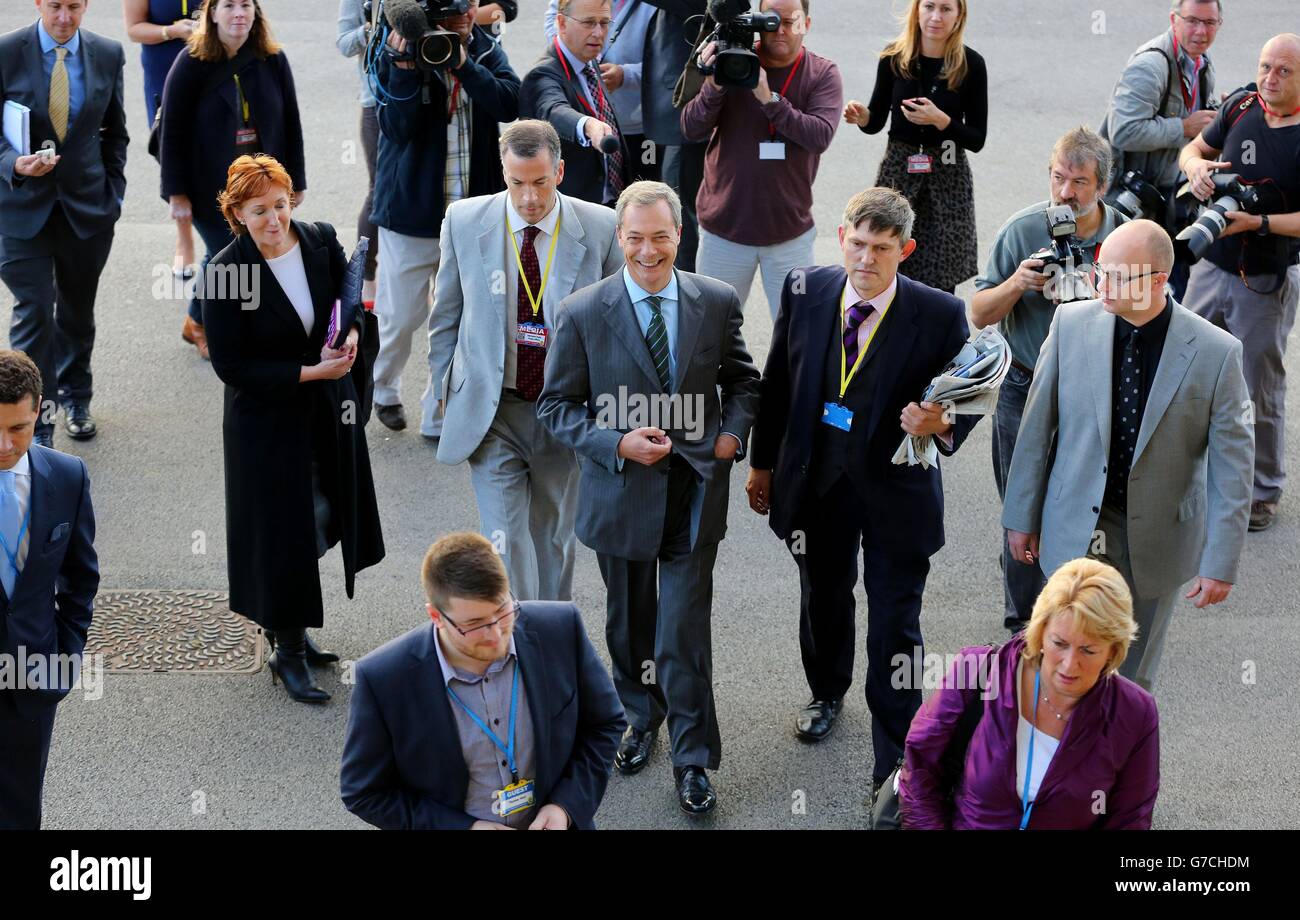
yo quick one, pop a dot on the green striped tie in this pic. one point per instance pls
(656, 339)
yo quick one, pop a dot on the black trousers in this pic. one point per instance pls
(54, 278)
(214, 230)
(24, 752)
(684, 171)
(370, 145)
(825, 547)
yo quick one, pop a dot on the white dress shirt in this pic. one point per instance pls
(292, 275)
(541, 246)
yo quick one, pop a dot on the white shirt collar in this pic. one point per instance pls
(546, 224)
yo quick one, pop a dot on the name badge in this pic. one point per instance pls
(771, 150)
(532, 334)
(920, 163)
(246, 137)
(837, 416)
(513, 799)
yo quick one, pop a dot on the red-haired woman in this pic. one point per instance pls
(297, 468)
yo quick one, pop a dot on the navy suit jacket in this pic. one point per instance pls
(402, 762)
(927, 329)
(54, 594)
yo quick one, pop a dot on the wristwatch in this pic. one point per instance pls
(1263, 225)
(776, 97)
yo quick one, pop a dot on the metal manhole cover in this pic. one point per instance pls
(190, 632)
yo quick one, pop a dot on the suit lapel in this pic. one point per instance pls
(620, 315)
(270, 285)
(1175, 359)
(532, 665)
(41, 129)
(492, 229)
(39, 504)
(1077, 743)
(90, 81)
(690, 316)
(903, 330)
(430, 687)
(1099, 342)
(570, 250)
(315, 261)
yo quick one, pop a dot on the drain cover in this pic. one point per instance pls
(190, 632)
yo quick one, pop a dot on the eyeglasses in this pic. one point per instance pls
(513, 611)
(1193, 21)
(1114, 279)
(593, 24)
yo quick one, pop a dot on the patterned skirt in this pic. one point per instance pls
(944, 201)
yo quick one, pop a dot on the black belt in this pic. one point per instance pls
(1020, 367)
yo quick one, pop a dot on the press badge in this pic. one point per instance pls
(246, 137)
(533, 334)
(771, 150)
(513, 799)
(920, 163)
(837, 416)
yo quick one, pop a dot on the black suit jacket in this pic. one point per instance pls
(927, 329)
(54, 593)
(668, 44)
(90, 179)
(402, 763)
(551, 94)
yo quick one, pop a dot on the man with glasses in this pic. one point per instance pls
(1135, 448)
(565, 88)
(499, 716)
(1165, 97)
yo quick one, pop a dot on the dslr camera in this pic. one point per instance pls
(736, 64)
(429, 46)
(1231, 194)
(1064, 259)
(1136, 198)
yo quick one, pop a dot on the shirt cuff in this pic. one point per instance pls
(740, 445)
(945, 439)
(618, 461)
(582, 135)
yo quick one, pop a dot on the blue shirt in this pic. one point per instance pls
(72, 61)
(667, 307)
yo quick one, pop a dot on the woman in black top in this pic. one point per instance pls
(933, 91)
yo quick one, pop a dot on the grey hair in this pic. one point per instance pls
(1176, 6)
(1081, 146)
(527, 137)
(647, 193)
(884, 210)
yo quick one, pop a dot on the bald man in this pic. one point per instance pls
(1249, 281)
(1154, 443)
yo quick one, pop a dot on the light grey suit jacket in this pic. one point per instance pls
(471, 319)
(598, 349)
(1190, 483)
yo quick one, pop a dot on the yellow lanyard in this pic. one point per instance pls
(846, 375)
(535, 302)
(242, 101)
(185, 8)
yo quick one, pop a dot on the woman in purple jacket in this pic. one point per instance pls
(1063, 742)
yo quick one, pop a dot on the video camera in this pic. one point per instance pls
(1233, 194)
(429, 46)
(1064, 259)
(736, 63)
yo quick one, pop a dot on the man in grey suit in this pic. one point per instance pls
(632, 384)
(60, 200)
(495, 299)
(1154, 444)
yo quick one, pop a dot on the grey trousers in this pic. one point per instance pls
(526, 486)
(1262, 323)
(407, 266)
(1022, 582)
(1151, 613)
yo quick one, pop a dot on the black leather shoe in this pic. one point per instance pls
(694, 792)
(634, 750)
(44, 438)
(816, 720)
(289, 664)
(391, 417)
(316, 656)
(78, 422)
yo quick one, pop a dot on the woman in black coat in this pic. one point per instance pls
(297, 469)
(230, 93)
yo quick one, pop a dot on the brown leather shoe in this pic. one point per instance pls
(1261, 516)
(192, 332)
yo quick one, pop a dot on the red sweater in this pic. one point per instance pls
(764, 202)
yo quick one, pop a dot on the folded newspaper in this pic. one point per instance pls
(967, 386)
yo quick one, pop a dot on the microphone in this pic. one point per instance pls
(406, 18)
(609, 144)
(726, 10)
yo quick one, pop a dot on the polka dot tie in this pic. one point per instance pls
(1126, 416)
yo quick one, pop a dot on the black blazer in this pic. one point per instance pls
(198, 129)
(90, 180)
(551, 94)
(54, 594)
(927, 329)
(668, 44)
(402, 762)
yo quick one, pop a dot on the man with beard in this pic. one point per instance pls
(1018, 295)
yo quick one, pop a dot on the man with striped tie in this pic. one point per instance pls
(853, 347)
(652, 497)
(60, 199)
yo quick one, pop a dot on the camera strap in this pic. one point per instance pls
(771, 128)
(1188, 98)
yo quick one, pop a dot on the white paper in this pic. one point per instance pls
(18, 127)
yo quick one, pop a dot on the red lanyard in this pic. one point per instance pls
(1268, 111)
(455, 96)
(771, 128)
(1196, 77)
(582, 97)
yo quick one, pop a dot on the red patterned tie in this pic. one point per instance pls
(605, 112)
(532, 360)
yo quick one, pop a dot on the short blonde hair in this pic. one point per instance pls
(1096, 601)
(645, 193)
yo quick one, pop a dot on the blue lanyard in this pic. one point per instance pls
(1027, 806)
(13, 556)
(508, 750)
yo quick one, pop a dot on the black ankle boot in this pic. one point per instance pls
(289, 664)
(316, 656)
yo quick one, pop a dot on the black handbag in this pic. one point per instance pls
(885, 815)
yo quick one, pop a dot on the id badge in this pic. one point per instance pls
(246, 137)
(533, 334)
(837, 416)
(513, 799)
(920, 163)
(771, 150)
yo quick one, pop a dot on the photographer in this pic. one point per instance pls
(1164, 98)
(1016, 293)
(1249, 281)
(438, 144)
(755, 205)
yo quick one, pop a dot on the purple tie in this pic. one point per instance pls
(856, 316)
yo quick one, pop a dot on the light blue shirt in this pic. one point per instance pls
(667, 307)
(74, 63)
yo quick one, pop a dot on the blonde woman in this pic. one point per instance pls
(1063, 740)
(933, 92)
